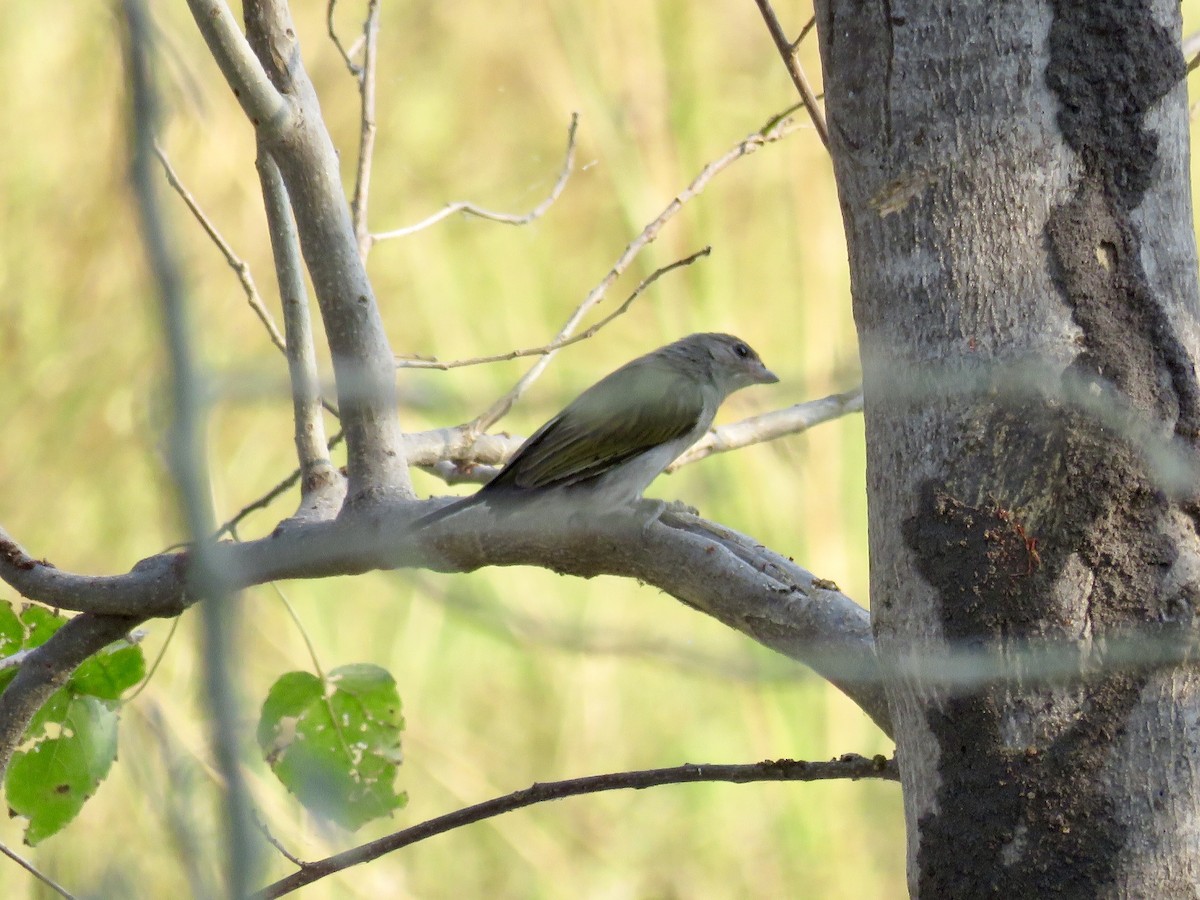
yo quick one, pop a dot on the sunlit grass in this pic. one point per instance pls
(507, 676)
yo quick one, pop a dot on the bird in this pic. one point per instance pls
(602, 451)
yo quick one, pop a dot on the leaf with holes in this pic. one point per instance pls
(336, 744)
(74, 745)
(71, 741)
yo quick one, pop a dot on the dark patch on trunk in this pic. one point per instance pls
(1034, 820)
(1110, 63)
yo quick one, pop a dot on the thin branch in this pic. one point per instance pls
(239, 266)
(36, 873)
(473, 209)
(804, 32)
(162, 654)
(775, 129)
(274, 842)
(850, 766)
(787, 52)
(452, 473)
(1191, 48)
(245, 75)
(309, 424)
(433, 363)
(366, 141)
(346, 54)
(772, 425)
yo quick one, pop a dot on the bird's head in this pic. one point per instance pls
(729, 361)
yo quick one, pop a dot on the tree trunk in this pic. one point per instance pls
(1014, 182)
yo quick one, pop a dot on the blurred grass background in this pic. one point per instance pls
(508, 676)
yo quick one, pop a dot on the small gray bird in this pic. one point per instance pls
(604, 449)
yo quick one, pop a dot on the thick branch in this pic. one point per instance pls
(708, 567)
(362, 358)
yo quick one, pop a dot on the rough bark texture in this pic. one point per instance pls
(1014, 184)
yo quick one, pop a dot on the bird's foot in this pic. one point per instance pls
(653, 510)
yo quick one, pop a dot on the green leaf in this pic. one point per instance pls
(40, 624)
(31, 628)
(110, 672)
(49, 782)
(12, 632)
(71, 741)
(336, 745)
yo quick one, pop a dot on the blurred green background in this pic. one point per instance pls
(508, 676)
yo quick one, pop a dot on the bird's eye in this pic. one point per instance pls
(741, 350)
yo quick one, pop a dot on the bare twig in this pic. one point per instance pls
(36, 873)
(775, 129)
(274, 842)
(433, 363)
(472, 209)
(787, 52)
(804, 32)
(235, 262)
(239, 266)
(366, 140)
(162, 654)
(346, 54)
(772, 425)
(1191, 51)
(849, 766)
(309, 424)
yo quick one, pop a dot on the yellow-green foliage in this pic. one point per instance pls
(507, 676)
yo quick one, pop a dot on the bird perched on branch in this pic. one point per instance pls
(602, 451)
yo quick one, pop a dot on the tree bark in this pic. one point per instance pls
(1014, 183)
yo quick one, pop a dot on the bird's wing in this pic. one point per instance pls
(633, 410)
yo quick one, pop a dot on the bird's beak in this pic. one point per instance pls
(765, 376)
